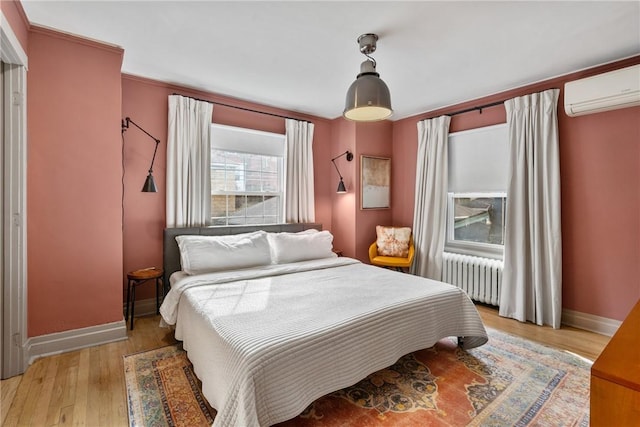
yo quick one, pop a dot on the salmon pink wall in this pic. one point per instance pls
(600, 167)
(74, 193)
(146, 102)
(354, 228)
(600, 193)
(144, 213)
(17, 19)
(373, 139)
(343, 205)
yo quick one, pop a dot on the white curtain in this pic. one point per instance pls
(532, 277)
(430, 209)
(299, 194)
(188, 162)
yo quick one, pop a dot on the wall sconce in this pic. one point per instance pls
(341, 187)
(149, 184)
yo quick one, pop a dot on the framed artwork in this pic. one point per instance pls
(375, 182)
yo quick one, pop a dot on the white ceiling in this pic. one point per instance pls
(303, 55)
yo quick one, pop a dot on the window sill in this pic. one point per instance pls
(473, 250)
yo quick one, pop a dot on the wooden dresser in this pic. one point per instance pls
(615, 377)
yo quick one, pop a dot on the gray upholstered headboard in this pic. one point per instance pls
(171, 253)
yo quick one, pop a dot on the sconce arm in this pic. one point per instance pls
(347, 153)
(125, 126)
(334, 165)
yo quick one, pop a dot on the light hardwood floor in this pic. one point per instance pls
(86, 387)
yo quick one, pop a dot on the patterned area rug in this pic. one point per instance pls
(507, 382)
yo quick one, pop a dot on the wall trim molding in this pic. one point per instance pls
(62, 342)
(590, 322)
(51, 32)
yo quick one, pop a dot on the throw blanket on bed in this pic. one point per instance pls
(266, 342)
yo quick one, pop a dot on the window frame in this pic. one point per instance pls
(250, 149)
(488, 250)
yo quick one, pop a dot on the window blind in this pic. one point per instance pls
(230, 138)
(478, 160)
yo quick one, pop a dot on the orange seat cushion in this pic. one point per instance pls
(388, 261)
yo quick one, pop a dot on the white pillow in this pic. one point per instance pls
(294, 247)
(202, 254)
(307, 231)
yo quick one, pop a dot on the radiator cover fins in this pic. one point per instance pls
(480, 278)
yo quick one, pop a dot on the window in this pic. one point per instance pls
(477, 196)
(476, 222)
(246, 176)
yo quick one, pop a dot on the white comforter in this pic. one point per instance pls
(266, 342)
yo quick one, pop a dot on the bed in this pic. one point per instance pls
(266, 340)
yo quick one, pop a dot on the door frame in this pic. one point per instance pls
(13, 169)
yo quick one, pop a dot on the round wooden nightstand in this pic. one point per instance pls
(138, 277)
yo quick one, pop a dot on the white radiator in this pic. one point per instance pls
(480, 278)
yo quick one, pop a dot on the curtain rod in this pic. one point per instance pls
(480, 107)
(241, 108)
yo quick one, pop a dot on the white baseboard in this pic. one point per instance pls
(62, 342)
(590, 322)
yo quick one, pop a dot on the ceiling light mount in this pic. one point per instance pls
(367, 43)
(368, 98)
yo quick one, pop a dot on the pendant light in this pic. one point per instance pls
(368, 98)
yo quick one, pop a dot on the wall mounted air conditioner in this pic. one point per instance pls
(608, 91)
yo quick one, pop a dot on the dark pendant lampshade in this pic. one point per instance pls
(341, 187)
(149, 185)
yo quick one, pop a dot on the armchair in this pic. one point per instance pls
(387, 258)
